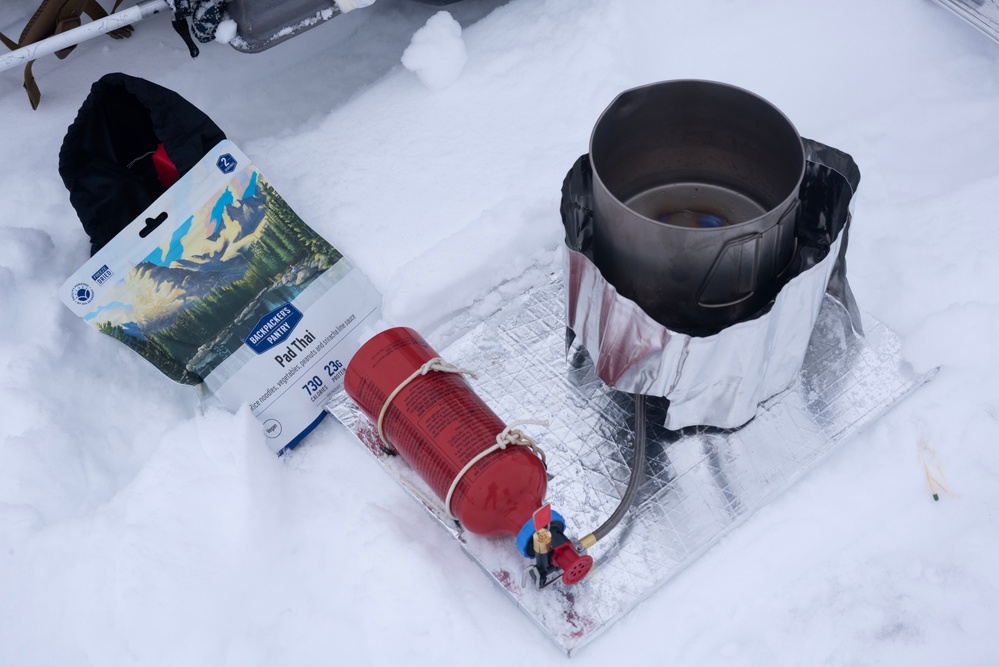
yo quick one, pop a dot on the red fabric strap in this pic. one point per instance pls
(166, 170)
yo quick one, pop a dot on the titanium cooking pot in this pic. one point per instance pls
(695, 198)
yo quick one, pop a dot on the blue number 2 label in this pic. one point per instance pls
(226, 163)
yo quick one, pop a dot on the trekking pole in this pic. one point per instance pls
(125, 17)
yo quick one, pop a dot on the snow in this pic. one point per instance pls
(136, 530)
(351, 5)
(437, 53)
(226, 31)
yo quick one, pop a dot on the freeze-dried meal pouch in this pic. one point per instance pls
(220, 284)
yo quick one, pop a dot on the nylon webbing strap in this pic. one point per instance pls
(70, 11)
(30, 87)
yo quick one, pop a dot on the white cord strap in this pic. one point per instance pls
(508, 436)
(435, 364)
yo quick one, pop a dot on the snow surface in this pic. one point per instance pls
(437, 53)
(135, 530)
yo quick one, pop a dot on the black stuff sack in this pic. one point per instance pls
(116, 157)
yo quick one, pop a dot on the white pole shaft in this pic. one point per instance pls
(125, 17)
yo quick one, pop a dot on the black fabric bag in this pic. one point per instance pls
(106, 160)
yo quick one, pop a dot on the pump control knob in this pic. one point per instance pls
(574, 566)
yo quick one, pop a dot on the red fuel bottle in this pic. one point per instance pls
(438, 424)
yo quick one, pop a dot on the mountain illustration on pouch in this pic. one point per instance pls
(213, 278)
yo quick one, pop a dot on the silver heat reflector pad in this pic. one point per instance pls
(700, 482)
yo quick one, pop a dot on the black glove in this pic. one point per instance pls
(204, 15)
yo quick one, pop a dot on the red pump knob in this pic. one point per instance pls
(574, 566)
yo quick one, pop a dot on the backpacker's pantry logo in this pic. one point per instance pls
(82, 294)
(273, 328)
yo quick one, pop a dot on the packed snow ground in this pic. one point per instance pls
(135, 530)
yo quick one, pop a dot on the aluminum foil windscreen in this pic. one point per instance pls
(700, 482)
(717, 379)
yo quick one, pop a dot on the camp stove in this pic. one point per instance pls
(669, 426)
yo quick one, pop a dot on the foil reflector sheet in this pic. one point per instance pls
(700, 482)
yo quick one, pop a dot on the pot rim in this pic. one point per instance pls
(782, 205)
